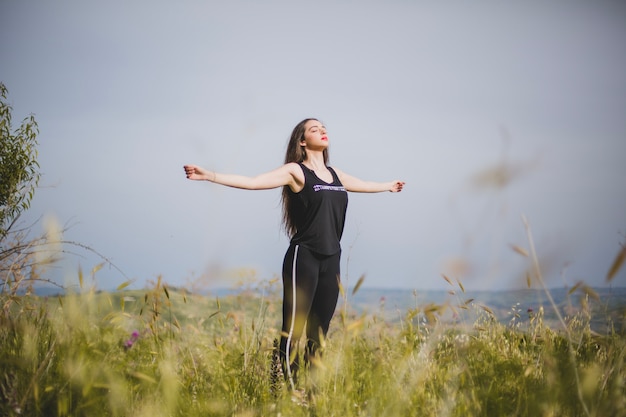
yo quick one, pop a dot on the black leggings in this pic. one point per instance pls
(310, 292)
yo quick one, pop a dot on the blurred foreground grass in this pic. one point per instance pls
(162, 352)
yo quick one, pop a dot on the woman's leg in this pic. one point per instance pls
(323, 305)
(300, 278)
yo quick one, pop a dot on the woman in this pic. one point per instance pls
(315, 199)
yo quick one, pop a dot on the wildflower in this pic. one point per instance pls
(133, 338)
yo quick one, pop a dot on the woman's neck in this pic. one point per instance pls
(314, 160)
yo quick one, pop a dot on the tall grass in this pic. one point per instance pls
(162, 352)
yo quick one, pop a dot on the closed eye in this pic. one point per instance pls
(316, 128)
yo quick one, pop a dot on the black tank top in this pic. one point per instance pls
(319, 213)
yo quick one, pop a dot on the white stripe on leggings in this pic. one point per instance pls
(293, 316)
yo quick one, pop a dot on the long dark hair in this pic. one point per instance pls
(295, 153)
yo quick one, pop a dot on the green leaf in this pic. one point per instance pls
(123, 285)
(96, 268)
(617, 264)
(80, 277)
(358, 284)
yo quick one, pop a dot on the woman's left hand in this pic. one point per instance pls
(396, 186)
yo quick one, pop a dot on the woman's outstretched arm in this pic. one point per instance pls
(359, 186)
(284, 175)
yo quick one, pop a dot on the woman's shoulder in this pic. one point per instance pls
(337, 170)
(297, 173)
(293, 167)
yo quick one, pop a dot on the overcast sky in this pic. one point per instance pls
(489, 111)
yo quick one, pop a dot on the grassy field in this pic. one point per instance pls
(164, 352)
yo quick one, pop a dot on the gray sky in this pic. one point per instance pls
(443, 95)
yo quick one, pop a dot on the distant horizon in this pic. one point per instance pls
(457, 290)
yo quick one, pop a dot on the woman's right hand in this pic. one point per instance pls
(194, 172)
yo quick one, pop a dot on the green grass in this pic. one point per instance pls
(194, 355)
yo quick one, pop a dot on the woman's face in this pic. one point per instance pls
(315, 135)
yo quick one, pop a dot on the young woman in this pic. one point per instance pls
(315, 199)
